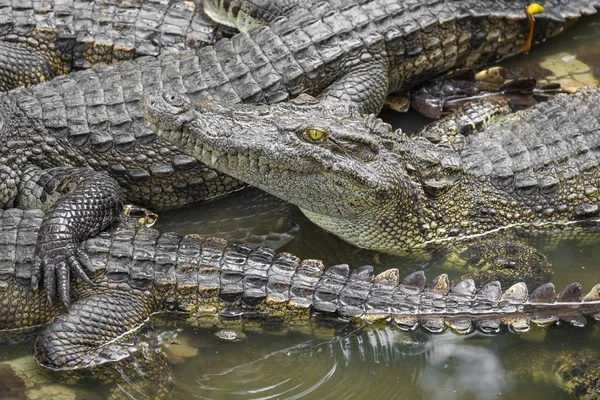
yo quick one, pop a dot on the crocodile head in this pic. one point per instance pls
(340, 171)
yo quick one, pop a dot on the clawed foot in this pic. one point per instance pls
(55, 261)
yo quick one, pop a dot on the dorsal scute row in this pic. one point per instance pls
(18, 239)
(88, 32)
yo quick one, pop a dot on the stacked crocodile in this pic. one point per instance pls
(91, 118)
(139, 272)
(354, 53)
(41, 40)
(535, 171)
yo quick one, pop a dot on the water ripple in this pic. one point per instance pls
(319, 369)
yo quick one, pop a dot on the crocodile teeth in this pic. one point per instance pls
(159, 132)
(204, 151)
(213, 159)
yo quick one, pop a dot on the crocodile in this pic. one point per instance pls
(534, 171)
(92, 118)
(41, 40)
(139, 273)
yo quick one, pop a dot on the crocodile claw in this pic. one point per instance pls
(57, 261)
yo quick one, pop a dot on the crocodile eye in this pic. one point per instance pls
(315, 134)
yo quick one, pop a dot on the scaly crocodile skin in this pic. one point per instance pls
(531, 172)
(357, 53)
(139, 272)
(40, 40)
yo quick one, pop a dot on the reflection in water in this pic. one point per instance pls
(250, 216)
(379, 363)
(455, 369)
(354, 365)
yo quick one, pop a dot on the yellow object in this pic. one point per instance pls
(534, 8)
(530, 10)
(315, 134)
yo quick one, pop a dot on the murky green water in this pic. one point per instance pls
(357, 364)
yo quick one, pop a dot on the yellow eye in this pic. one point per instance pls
(315, 134)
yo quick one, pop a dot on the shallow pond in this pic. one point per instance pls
(358, 363)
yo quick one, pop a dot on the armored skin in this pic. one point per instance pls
(39, 41)
(92, 118)
(210, 278)
(535, 171)
(139, 272)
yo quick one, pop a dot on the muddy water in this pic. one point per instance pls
(358, 363)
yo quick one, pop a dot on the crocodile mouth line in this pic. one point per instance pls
(210, 155)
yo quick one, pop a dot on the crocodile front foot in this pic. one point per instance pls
(80, 203)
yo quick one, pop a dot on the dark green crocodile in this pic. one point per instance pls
(533, 171)
(92, 117)
(40, 40)
(140, 273)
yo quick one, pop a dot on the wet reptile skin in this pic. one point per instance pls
(40, 40)
(92, 117)
(208, 282)
(531, 172)
(209, 279)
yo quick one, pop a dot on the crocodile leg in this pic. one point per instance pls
(467, 120)
(91, 334)
(145, 375)
(23, 66)
(80, 203)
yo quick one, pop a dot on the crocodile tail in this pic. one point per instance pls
(463, 307)
(294, 291)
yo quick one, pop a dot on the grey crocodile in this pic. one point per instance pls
(531, 172)
(140, 273)
(92, 118)
(41, 40)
